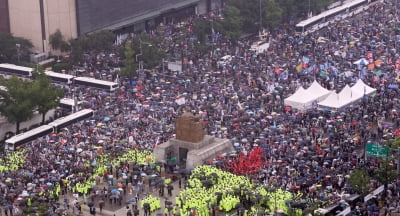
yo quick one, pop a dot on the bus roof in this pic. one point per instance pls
(89, 79)
(69, 101)
(329, 12)
(16, 67)
(29, 133)
(55, 74)
(70, 117)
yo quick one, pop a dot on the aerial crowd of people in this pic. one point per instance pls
(311, 151)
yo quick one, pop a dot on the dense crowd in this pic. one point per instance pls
(312, 152)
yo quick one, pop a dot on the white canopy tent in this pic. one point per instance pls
(299, 99)
(361, 88)
(317, 91)
(345, 97)
(303, 99)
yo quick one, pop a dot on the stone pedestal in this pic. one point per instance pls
(195, 153)
(190, 144)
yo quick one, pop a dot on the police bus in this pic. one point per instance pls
(59, 78)
(15, 70)
(19, 140)
(68, 104)
(65, 121)
(327, 17)
(95, 83)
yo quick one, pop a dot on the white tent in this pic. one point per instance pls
(299, 99)
(361, 88)
(345, 97)
(317, 91)
(332, 101)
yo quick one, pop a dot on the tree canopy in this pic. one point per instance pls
(359, 180)
(150, 53)
(21, 97)
(130, 65)
(273, 12)
(17, 101)
(57, 42)
(98, 41)
(47, 95)
(13, 47)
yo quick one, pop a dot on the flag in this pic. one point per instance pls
(305, 60)
(370, 57)
(371, 67)
(277, 70)
(299, 67)
(239, 105)
(284, 75)
(180, 101)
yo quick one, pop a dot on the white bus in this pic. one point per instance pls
(69, 104)
(95, 83)
(17, 141)
(327, 17)
(15, 70)
(60, 123)
(64, 79)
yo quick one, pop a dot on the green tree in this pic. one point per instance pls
(13, 47)
(16, 103)
(150, 53)
(249, 13)
(77, 48)
(100, 41)
(232, 23)
(47, 96)
(130, 67)
(56, 40)
(359, 180)
(272, 14)
(386, 173)
(201, 29)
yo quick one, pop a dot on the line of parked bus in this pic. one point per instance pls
(55, 126)
(327, 17)
(58, 78)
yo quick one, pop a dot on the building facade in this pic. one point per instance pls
(4, 17)
(36, 20)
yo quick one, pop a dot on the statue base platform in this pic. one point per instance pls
(193, 153)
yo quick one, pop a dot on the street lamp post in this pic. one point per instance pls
(18, 48)
(260, 20)
(140, 54)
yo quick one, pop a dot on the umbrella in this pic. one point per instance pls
(90, 204)
(132, 200)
